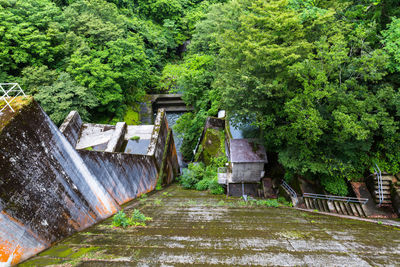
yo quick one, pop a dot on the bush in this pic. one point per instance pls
(335, 185)
(122, 220)
(203, 185)
(215, 188)
(198, 176)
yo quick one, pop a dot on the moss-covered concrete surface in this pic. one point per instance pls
(7, 114)
(192, 227)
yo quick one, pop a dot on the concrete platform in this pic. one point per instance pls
(192, 227)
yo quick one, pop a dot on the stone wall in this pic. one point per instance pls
(46, 190)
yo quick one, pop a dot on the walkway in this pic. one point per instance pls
(195, 227)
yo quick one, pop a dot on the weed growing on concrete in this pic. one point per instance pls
(143, 198)
(137, 219)
(221, 203)
(135, 138)
(157, 202)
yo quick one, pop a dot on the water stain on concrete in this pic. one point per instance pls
(192, 227)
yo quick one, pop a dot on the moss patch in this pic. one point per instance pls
(132, 116)
(7, 114)
(212, 146)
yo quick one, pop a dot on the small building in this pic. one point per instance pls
(247, 160)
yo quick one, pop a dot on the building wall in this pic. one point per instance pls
(246, 172)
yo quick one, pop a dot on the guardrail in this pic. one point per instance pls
(337, 198)
(7, 89)
(378, 173)
(290, 190)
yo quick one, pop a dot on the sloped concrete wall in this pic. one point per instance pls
(125, 176)
(46, 190)
(159, 137)
(71, 127)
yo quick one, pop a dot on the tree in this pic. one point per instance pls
(30, 34)
(63, 96)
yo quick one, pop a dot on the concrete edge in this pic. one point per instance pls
(117, 137)
(377, 221)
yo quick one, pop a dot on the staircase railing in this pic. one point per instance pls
(336, 198)
(290, 191)
(378, 173)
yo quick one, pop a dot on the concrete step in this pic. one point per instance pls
(354, 209)
(337, 207)
(384, 183)
(178, 109)
(342, 210)
(307, 202)
(360, 209)
(384, 186)
(176, 102)
(384, 192)
(347, 208)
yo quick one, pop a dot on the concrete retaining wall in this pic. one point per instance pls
(71, 127)
(125, 176)
(46, 190)
(49, 190)
(159, 137)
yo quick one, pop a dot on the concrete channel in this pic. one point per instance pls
(192, 227)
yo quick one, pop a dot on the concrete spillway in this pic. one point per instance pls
(49, 190)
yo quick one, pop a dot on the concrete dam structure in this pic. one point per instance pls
(49, 189)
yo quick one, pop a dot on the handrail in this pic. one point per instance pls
(380, 189)
(5, 94)
(289, 189)
(336, 198)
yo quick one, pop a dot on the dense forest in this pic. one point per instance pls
(318, 78)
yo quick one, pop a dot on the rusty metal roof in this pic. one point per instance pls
(246, 150)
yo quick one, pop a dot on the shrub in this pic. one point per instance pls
(334, 185)
(135, 138)
(215, 188)
(202, 185)
(122, 220)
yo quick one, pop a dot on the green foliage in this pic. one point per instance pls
(215, 187)
(114, 49)
(265, 202)
(314, 79)
(201, 177)
(137, 219)
(120, 219)
(63, 96)
(131, 116)
(335, 185)
(392, 44)
(136, 138)
(189, 126)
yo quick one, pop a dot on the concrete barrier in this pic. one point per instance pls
(46, 190)
(49, 190)
(125, 176)
(71, 127)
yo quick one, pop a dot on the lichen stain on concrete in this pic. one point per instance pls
(192, 227)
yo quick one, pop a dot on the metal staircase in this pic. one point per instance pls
(291, 192)
(381, 188)
(336, 204)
